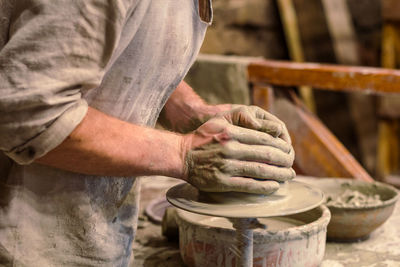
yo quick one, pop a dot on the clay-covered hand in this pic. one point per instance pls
(256, 118)
(221, 156)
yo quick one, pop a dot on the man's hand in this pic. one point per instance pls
(256, 118)
(232, 144)
(227, 151)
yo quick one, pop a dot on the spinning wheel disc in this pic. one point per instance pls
(292, 197)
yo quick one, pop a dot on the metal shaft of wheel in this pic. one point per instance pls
(244, 242)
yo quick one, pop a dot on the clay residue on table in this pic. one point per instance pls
(353, 198)
(353, 194)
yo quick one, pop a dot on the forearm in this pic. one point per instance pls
(103, 145)
(185, 110)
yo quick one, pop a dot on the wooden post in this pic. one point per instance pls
(263, 96)
(388, 143)
(293, 40)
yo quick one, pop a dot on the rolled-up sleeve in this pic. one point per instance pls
(56, 49)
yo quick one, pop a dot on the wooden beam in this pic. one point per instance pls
(324, 76)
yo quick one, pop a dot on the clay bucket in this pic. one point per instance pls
(204, 245)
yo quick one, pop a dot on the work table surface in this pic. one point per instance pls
(151, 249)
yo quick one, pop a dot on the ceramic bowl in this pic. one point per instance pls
(350, 222)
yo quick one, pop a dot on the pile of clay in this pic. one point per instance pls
(352, 199)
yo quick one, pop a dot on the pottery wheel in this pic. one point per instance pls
(292, 197)
(242, 209)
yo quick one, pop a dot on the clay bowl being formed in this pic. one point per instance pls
(292, 240)
(350, 222)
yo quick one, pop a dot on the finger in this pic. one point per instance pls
(249, 121)
(285, 134)
(215, 154)
(270, 127)
(264, 115)
(253, 137)
(248, 185)
(255, 118)
(277, 129)
(243, 118)
(256, 170)
(257, 153)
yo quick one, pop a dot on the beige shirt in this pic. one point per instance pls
(123, 57)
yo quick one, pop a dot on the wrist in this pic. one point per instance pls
(185, 147)
(206, 112)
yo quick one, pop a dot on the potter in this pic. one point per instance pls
(82, 85)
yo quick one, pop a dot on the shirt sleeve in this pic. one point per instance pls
(56, 50)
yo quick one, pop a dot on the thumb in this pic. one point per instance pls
(244, 117)
(240, 116)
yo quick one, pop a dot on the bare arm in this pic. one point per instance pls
(103, 145)
(221, 155)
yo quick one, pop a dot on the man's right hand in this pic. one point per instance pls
(221, 157)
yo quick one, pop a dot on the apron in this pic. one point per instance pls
(51, 217)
